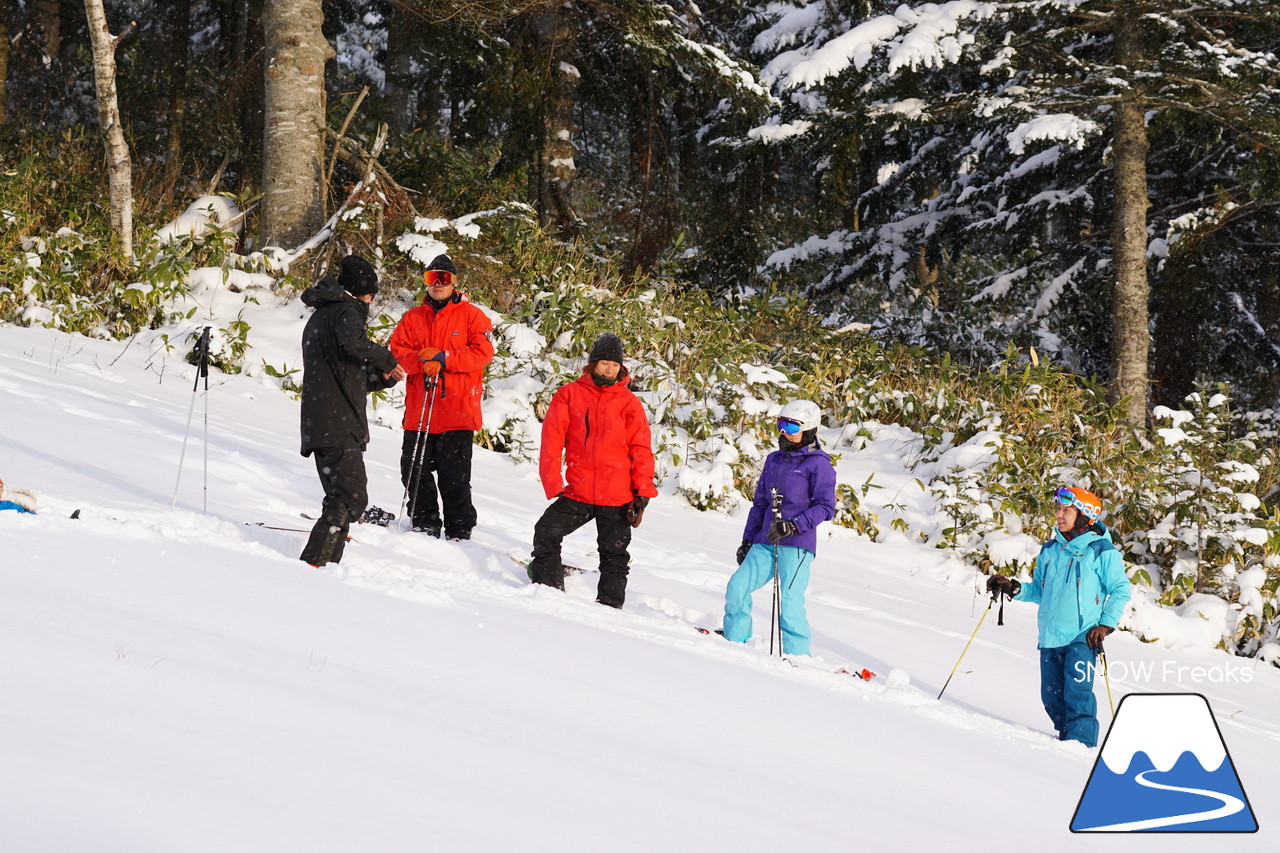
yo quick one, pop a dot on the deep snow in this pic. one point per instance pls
(179, 681)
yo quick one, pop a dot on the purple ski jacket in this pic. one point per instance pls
(807, 482)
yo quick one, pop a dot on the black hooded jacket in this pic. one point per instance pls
(340, 366)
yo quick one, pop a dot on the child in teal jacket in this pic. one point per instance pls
(1081, 588)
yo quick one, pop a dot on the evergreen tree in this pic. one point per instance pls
(988, 162)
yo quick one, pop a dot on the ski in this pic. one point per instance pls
(864, 673)
(523, 563)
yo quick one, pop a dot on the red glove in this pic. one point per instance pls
(432, 368)
(428, 353)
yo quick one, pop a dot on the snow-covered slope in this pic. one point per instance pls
(177, 680)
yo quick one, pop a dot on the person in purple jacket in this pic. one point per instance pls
(802, 474)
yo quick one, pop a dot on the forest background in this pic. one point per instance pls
(1040, 238)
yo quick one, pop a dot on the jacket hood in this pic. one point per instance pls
(325, 291)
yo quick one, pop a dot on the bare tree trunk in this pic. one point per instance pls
(119, 166)
(398, 88)
(46, 18)
(240, 29)
(650, 177)
(1269, 311)
(431, 102)
(178, 59)
(6, 7)
(555, 170)
(1130, 332)
(250, 50)
(293, 144)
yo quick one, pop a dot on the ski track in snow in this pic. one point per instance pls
(422, 569)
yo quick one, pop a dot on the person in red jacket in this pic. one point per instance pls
(598, 429)
(443, 345)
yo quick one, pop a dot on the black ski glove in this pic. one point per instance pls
(780, 530)
(1096, 635)
(997, 584)
(742, 550)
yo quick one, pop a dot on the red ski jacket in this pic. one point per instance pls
(464, 334)
(602, 436)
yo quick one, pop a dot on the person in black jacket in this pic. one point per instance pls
(340, 366)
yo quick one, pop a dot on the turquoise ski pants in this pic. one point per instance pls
(756, 571)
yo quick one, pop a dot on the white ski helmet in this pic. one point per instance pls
(807, 414)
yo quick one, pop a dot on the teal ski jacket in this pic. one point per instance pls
(1078, 583)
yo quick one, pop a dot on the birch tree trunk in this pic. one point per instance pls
(1130, 332)
(294, 119)
(178, 57)
(119, 167)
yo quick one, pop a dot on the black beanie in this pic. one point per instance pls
(442, 262)
(357, 276)
(608, 347)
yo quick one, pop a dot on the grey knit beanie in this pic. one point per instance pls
(608, 347)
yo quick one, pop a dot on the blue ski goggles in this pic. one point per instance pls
(1066, 497)
(788, 426)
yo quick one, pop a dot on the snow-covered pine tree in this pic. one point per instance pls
(981, 166)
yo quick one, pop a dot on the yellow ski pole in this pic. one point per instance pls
(1106, 675)
(966, 645)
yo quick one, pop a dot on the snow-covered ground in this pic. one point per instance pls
(177, 680)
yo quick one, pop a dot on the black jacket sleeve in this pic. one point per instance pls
(354, 342)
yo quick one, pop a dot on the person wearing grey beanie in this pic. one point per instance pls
(596, 464)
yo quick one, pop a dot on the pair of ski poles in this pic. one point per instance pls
(1000, 621)
(775, 612)
(201, 354)
(420, 445)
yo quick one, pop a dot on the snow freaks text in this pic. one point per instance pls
(1166, 671)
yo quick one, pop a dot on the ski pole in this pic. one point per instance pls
(966, 645)
(1106, 675)
(201, 353)
(266, 526)
(775, 613)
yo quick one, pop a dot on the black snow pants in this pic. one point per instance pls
(444, 460)
(346, 492)
(613, 535)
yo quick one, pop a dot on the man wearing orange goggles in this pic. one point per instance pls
(444, 345)
(438, 278)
